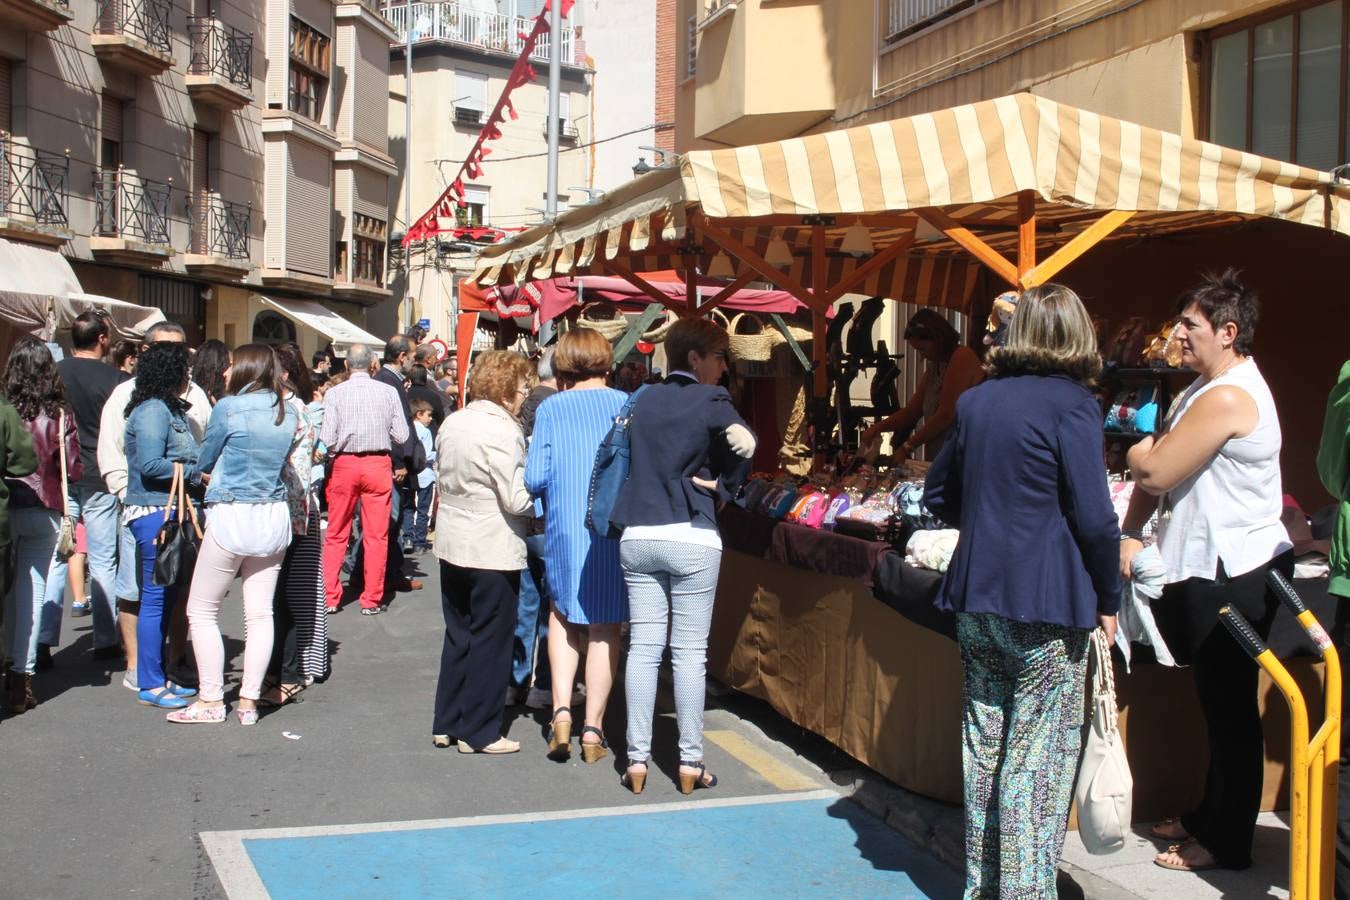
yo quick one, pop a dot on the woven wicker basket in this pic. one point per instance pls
(603, 318)
(750, 340)
(658, 333)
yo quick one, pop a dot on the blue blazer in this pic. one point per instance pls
(679, 431)
(1023, 476)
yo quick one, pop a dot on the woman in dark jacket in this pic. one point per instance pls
(688, 445)
(158, 437)
(1036, 569)
(36, 504)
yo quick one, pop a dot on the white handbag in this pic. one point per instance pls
(1103, 792)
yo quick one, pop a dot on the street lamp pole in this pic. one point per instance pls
(407, 166)
(554, 90)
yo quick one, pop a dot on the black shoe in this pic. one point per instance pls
(182, 674)
(112, 651)
(44, 657)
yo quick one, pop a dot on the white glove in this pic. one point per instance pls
(741, 441)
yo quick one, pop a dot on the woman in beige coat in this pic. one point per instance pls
(480, 541)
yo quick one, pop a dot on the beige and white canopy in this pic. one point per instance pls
(1003, 183)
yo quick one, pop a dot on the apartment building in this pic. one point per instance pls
(224, 160)
(462, 53)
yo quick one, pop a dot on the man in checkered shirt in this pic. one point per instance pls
(362, 420)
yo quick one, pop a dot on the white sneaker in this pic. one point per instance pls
(129, 683)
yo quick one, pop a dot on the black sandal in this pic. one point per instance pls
(593, 752)
(702, 778)
(288, 694)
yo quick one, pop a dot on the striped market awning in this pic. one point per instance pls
(965, 166)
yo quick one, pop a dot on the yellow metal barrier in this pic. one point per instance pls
(1313, 761)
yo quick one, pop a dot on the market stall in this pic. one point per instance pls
(921, 210)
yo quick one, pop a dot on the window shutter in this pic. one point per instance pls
(112, 119)
(6, 97)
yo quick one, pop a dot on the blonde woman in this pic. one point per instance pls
(1035, 571)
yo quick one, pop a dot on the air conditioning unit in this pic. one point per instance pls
(567, 132)
(467, 115)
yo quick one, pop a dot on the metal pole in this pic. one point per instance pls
(407, 166)
(554, 89)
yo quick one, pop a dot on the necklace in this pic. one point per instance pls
(1237, 360)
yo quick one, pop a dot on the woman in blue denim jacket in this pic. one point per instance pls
(247, 445)
(157, 438)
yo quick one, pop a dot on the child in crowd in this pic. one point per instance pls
(415, 526)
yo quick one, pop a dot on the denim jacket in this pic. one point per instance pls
(245, 449)
(157, 436)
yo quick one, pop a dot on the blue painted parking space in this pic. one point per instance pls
(813, 844)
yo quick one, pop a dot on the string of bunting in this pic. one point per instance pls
(522, 73)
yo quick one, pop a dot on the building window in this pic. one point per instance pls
(310, 66)
(1275, 84)
(474, 212)
(369, 236)
(901, 18)
(471, 90)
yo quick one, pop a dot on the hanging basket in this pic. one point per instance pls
(658, 333)
(721, 319)
(603, 318)
(750, 340)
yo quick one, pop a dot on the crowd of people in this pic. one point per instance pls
(119, 445)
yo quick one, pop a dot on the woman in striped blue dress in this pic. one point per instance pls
(584, 578)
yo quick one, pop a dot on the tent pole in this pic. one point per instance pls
(1026, 233)
(725, 293)
(819, 324)
(616, 268)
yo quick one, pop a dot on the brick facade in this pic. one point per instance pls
(666, 31)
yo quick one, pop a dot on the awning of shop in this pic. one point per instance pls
(40, 295)
(940, 194)
(326, 322)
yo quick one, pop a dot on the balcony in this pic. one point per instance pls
(905, 17)
(33, 194)
(219, 246)
(220, 68)
(35, 15)
(567, 132)
(461, 24)
(134, 35)
(131, 219)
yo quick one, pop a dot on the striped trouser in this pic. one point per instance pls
(1022, 724)
(670, 586)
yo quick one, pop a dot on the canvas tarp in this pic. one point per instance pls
(313, 315)
(969, 162)
(40, 295)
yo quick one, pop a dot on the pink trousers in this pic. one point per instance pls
(211, 580)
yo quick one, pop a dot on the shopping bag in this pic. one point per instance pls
(1104, 789)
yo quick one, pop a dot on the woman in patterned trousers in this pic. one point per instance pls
(1036, 569)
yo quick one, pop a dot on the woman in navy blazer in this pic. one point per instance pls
(1036, 569)
(687, 445)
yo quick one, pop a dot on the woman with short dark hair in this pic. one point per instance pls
(211, 368)
(36, 503)
(1214, 479)
(250, 436)
(582, 569)
(950, 370)
(688, 448)
(1034, 572)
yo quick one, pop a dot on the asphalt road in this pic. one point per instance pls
(100, 797)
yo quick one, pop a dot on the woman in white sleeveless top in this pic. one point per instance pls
(1214, 479)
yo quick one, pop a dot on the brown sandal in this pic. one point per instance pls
(1170, 830)
(1182, 864)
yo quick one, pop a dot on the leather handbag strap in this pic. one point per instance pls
(191, 509)
(1104, 677)
(65, 486)
(173, 490)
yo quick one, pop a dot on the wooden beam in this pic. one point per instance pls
(635, 330)
(690, 284)
(748, 256)
(1079, 244)
(819, 323)
(867, 269)
(972, 244)
(725, 293)
(642, 284)
(789, 220)
(1026, 232)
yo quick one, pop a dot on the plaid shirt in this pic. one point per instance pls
(361, 415)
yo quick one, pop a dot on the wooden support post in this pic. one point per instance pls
(972, 243)
(819, 324)
(1026, 232)
(724, 294)
(1081, 243)
(642, 284)
(690, 283)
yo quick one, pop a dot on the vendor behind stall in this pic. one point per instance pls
(951, 370)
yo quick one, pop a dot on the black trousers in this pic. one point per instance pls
(480, 621)
(1226, 682)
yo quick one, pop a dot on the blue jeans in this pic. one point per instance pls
(152, 626)
(532, 620)
(101, 514)
(53, 600)
(33, 531)
(416, 519)
(128, 586)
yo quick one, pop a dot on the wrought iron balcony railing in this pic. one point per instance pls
(33, 184)
(907, 16)
(220, 49)
(458, 23)
(219, 228)
(147, 20)
(129, 206)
